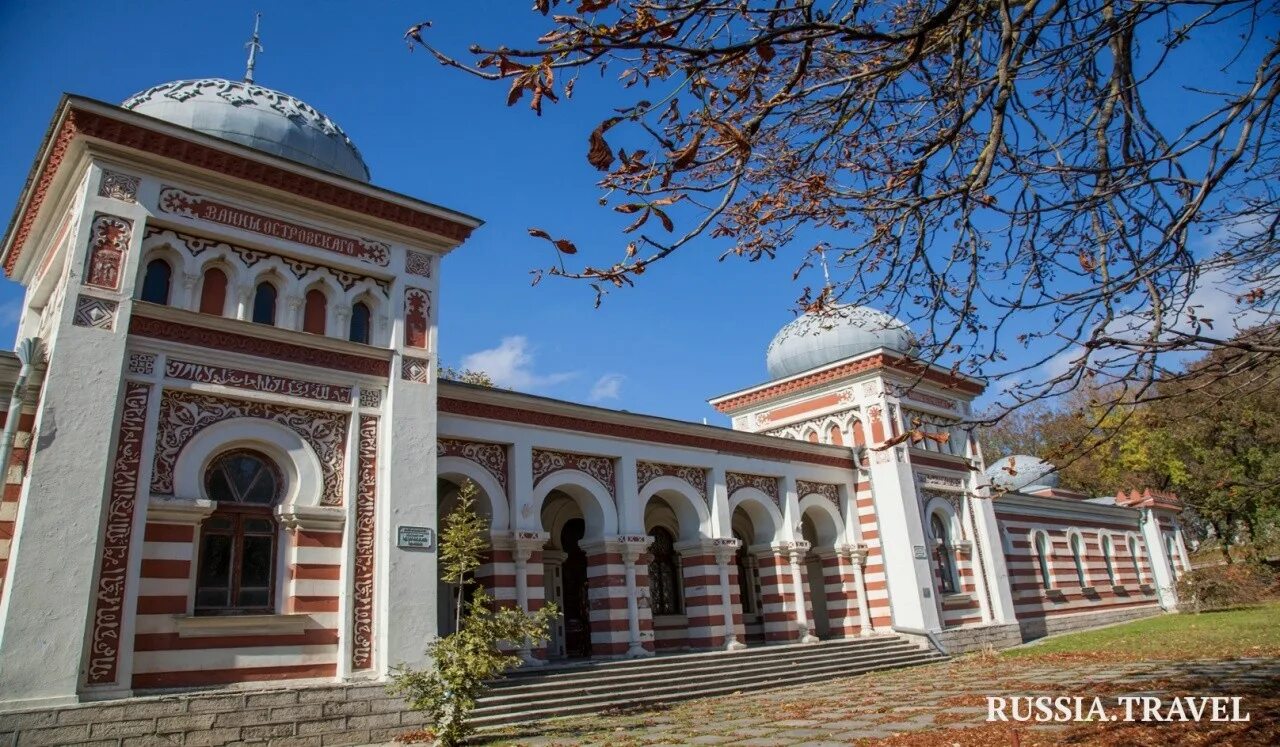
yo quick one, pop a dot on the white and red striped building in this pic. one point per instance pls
(227, 435)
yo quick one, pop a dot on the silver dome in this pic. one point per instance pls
(258, 117)
(841, 332)
(1028, 471)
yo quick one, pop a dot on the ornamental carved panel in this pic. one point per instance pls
(767, 485)
(365, 538)
(184, 414)
(417, 370)
(417, 263)
(492, 457)
(96, 313)
(417, 312)
(258, 382)
(601, 468)
(117, 536)
(825, 489)
(646, 472)
(109, 238)
(371, 398)
(118, 186)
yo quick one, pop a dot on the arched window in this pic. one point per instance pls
(236, 567)
(1042, 555)
(664, 574)
(155, 283)
(1077, 555)
(1135, 558)
(361, 323)
(314, 312)
(213, 292)
(746, 576)
(943, 553)
(834, 436)
(811, 437)
(1108, 556)
(264, 304)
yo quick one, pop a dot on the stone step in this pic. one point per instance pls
(726, 665)
(489, 715)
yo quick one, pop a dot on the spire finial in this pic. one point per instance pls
(254, 48)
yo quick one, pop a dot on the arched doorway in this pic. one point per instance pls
(450, 603)
(576, 602)
(815, 576)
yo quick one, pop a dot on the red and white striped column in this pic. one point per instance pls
(618, 591)
(726, 551)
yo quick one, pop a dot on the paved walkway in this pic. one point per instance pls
(943, 704)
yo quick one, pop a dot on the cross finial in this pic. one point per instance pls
(254, 48)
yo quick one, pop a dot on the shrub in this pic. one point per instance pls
(1223, 586)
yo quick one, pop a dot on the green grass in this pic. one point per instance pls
(1229, 634)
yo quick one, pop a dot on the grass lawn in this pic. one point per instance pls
(1229, 634)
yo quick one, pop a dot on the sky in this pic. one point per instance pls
(694, 328)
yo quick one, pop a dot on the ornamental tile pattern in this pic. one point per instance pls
(118, 186)
(492, 457)
(184, 414)
(98, 313)
(601, 468)
(647, 472)
(735, 481)
(258, 382)
(825, 489)
(365, 538)
(109, 239)
(417, 370)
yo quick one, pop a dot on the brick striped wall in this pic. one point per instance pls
(1066, 596)
(607, 593)
(842, 597)
(702, 603)
(962, 608)
(14, 476)
(163, 658)
(873, 572)
(779, 602)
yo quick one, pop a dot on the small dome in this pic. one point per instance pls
(1028, 472)
(258, 117)
(841, 332)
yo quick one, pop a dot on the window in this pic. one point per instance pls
(1108, 556)
(361, 319)
(236, 571)
(664, 574)
(213, 292)
(1077, 554)
(746, 576)
(834, 436)
(1042, 555)
(942, 553)
(264, 303)
(1133, 556)
(155, 283)
(314, 312)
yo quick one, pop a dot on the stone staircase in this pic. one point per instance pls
(574, 689)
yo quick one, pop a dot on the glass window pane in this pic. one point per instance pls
(264, 304)
(254, 597)
(155, 284)
(218, 487)
(212, 598)
(262, 491)
(255, 570)
(219, 524)
(259, 526)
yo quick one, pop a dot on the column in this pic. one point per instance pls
(631, 553)
(857, 555)
(796, 554)
(526, 548)
(244, 302)
(725, 551)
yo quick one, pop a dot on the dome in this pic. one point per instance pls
(814, 340)
(258, 117)
(1028, 471)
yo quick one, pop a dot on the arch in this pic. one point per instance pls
(360, 327)
(691, 511)
(1134, 543)
(595, 503)
(1042, 550)
(943, 526)
(766, 519)
(303, 474)
(157, 281)
(834, 435)
(826, 519)
(811, 435)
(1107, 545)
(1075, 543)
(315, 310)
(266, 300)
(213, 290)
(455, 469)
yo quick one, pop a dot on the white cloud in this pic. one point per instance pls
(606, 387)
(511, 365)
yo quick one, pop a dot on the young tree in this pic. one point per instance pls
(465, 375)
(465, 660)
(1014, 179)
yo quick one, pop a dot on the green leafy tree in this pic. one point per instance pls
(465, 375)
(463, 662)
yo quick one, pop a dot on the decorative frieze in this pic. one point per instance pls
(117, 537)
(735, 481)
(258, 382)
(142, 364)
(119, 186)
(109, 238)
(184, 414)
(417, 315)
(365, 540)
(492, 457)
(825, 489)
(98, 313)
(646, 472)
(601, 468)
(174, 201)
(940, 482)
(371, 398)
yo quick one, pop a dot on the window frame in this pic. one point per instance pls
(1044, 556)
(944, 553)
(146, 278)
(670, 558)
(275, 303)
(239, 514)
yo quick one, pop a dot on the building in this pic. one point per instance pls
(227, 444)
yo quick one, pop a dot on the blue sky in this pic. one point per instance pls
(695, 327)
